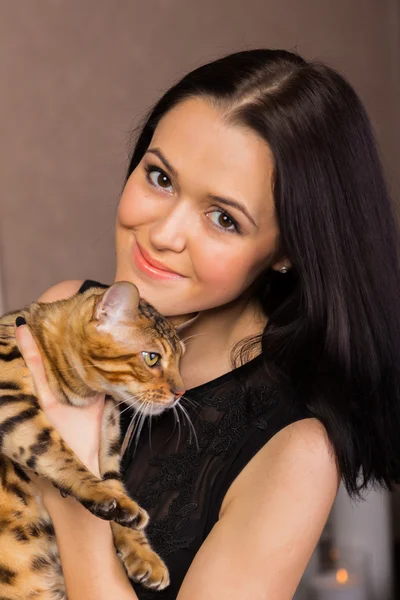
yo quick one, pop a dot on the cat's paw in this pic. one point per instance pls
(152, 573)
(130, 514)
(102, 507)
(116, 506)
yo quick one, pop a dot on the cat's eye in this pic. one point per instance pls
(151, 358)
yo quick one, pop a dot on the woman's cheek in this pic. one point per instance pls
(223, 271)
(136, 207)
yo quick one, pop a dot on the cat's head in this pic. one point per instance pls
(132, 351)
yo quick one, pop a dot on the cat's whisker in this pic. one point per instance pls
(132, 427)
(150, 434)
(132, 406)
(112, 418)
(137, 396)
(191, 401)
(102, 235)
(190, 432)
(186, 414)
(119, 403)
(140, 417)
(121, 412)
(131, 396)
(136, 399)
(189, 337)
(179, 427)
(173, 431)
(132, 430)
(133, 403)
(141, 423)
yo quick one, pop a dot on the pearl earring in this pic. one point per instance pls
(283, 269)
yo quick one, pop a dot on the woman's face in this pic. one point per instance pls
(200, 203)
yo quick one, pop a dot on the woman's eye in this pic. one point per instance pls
(151, 358)
(223, 221)
(158, 178)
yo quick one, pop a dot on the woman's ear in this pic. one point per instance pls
(283, 265)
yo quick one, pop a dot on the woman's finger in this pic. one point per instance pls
(33, 360)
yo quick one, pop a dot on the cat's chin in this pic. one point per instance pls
(152, 409)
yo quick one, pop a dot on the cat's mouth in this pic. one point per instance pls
(154, 408)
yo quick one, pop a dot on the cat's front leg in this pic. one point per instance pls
(109, 457)
(29, 439)
(141, 563)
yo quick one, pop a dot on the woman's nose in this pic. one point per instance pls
(170, 230)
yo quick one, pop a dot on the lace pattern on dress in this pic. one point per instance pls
(178, 471)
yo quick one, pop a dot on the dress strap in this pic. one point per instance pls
(89, 283)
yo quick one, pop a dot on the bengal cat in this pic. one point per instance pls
(112, 342)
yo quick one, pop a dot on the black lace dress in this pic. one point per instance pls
(180, 476)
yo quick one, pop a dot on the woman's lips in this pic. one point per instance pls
(151, 267)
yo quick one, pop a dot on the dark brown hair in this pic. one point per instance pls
(333, 332)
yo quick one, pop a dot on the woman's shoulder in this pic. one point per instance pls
(61, 290)
(300, 447)
(66, 289)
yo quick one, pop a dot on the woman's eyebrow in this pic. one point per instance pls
(228, 201)
(161, 156)
(234, 204)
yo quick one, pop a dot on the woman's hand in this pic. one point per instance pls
(79, 427)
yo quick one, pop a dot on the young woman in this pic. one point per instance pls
(255, 203)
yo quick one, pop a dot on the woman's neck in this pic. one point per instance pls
(210, 337)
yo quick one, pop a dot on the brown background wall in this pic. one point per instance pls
(76, 75)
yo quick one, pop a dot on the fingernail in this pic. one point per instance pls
(20, 321)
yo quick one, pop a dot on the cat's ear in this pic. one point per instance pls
(118, 304)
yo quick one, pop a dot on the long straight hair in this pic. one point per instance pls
(333, 331)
